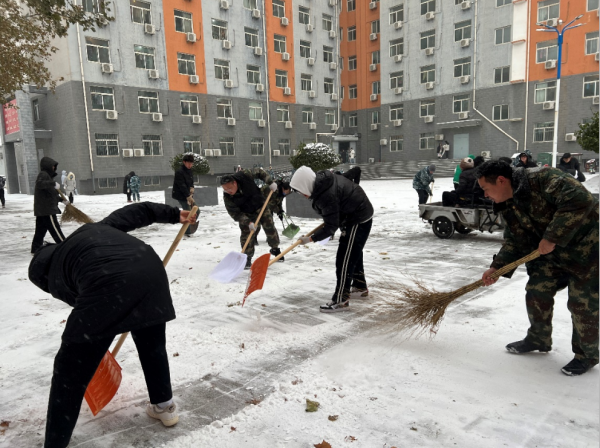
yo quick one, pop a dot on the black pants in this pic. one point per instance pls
(45, 224)
(128, 195)
(2, 197)
(349, 268)
(423, 196)
(75, 365)
(71, 197)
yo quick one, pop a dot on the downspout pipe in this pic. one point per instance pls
(266, 53)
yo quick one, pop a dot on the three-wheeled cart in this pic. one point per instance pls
(446, 220)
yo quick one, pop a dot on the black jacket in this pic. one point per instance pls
(468, 185)
(529, 164)
(126, 181)
(114, 282)
(184, 180)
(572, 167)
(340, 202)
(353, 174)
(45, 196)
(248, 199)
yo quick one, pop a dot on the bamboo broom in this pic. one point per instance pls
(73, 214)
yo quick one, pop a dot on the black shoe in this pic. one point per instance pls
(578, 367)
(524, 346)
(248, 263)
(276, 252)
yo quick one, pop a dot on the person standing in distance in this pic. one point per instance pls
(183, 186)
(421, 183)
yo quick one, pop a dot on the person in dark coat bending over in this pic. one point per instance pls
(344, 205)
(183, 185)
(115, 284)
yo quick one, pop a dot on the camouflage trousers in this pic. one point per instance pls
(267, 224)
(579, 273)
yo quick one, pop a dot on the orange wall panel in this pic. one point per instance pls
(274, 59)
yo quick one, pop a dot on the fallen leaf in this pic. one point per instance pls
(191, 269)
(296, 381)
(323, 444)
(37, 314)
(264, 305)
(232, 429)
(176, 354)
(216, 247)
(5, 423)
(63, 321)
(350, 439)
(372, 398)
(242, 346)
(312, 406)
(333, 418)
(254, 401)
(412, 428)
(382, 253)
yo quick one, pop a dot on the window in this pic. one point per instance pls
(278, 8)
(191, 143)
(426, 141)
(102, 99)
(396, 112)
(150, 181)
(501, 75)
(396, 143)
(503, 35)
(457, 2)
(543, 132)
(328, 23)
(460, 103)
(546, 51)
(305, 82)
(376, 57)
(144, 57)
(427, 39)
(107, 145)
(189, 104)
(353, 120)
(427, 6)
(397, 14)
(148, 102)
(500, 3)
(224, 109)
(227, 146)
(500, 112)
(590, 86)
(329, 116)
(351, 33)
(375, 26)
(375, 117)
(352, 63)
(592, 5)
(550, 9)
(462, 30)
(545, 91)
(396, 79)
(352, 92)
(140, 12)
(183, 22)
(249, 4)
(342, 92)
(341, 33)
(221, 69)
(427, 108)
(351, 4)
(35, 106)
(427, 74)
(279, 43)
(591, 43)
(462, 67)
(251, 37)
(92, 6)
(304, 49)
(186, 64)
(219, 29)
(284, 146)
(396, 47)
(307, 115)
(283, 113)
(376, 88)
(257, 146)
(303, 15)
(97, 50)
(328, 85)
(253, 74)
(281, 78)
(152, 145)
(327, 53)
(107, 182)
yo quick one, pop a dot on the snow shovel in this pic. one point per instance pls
(258, 271)
(234, 262)
(107, 379)
(291, 229)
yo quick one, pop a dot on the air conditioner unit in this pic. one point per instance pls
(332, 2)
(548, 105)
(570, 137)
(428, 119)
(550, 64)
(288, 125)
(261, 123)
(260, 87)
(285, 21)
(149, 28)
(398, 25)
(194, 79)
(334, 97)
(191, 37)
(276, 153)
(312, 94)
(106, 68)
(465, 5)
(294, 152)
(383, 141)
(398, 58)
(397, 123)
(127, 152)
(429, 85)
(463, 115)
(287, 91)
(217, 152)
(256, 14)
(334, 127)
(111, 115)
(226, 45)
(595, 100)
(138, 152)
(231, 121)
(332, 65)
(597, 57)
(372, 67)
(285, 56)
(332, 34)
(373, 36)
(430, 15)
(258, 51)
(439, 137)
(373, 97)
(465, 42)
(552, 22)
(371, 160)
(153, 74)
(374, 126)
(310, 61)
(196, 119)
(223, 4)
(398, 91)
(429, 51)
(157, 116)
(486, 154)
(309, 27)
(208, 153)
(228, 83)
(373, 5)
(312, 126)
(465, 79)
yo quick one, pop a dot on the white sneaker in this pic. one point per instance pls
(359, 293)
(168, 416)
(333, 307)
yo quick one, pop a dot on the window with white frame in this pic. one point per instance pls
(219, 29)
(500, 112)
(546, 51)
(35, 106)
(151, 181)
(396, 79)
(427, 39)
(103, 98)
(221, 69)
(375, 28)
(152, 145)
(503, 35)
(305, 82)
(550, 9)
(427, 141)
(428, 74)
(329, 116)
(224, 108)
(351, 63)
(427, 6)
(148, 102)
(307, 115)
(350, 5)
(592, 5)
(257, 146)
(590, 86)
(396, 143)
(283, 113)
(192, 143)
(376, 88)
(500, 3)
(97, 50)
(460, 103)
(107, 145)
(281, 78)
(545, 91)
(183, 22)
(591, 43)
(353, 120)
(543, 132)
(255, 111)
(284, 146)
(140, 12)
(327, 53)
(502, 75)
(396, 47)
(107, 182)
(462, 30)
(251, 37)
(303, 15)
(305, 49)
(328, 86)
(227, 146)
(375, 117)
(278, 8)
(352, 92)
(396, 112)
(279, 42)
(327, 22)
(186, 64)
(462, 67)
(427, 108)
(351, 33)
(252, 74)
(249, 4)
(188, 104)
(92, 6)
(144, 57)
(396, 14)
(375, 57)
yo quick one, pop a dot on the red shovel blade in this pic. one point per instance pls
(258, 272)
(104, 384)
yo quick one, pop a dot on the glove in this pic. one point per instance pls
(304, 239)
(66, 202)
(280, 216)
(252, 226)
(57, 185)
(273, 187)
(430, 194)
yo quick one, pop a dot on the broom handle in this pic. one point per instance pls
(257, 221)
(174, 245)
(294, 245)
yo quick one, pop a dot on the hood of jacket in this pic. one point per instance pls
(40, 266)
(323, 181)
(49, 166)
(71, 176)
(303, 180)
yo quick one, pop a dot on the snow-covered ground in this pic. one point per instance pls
(241, 376)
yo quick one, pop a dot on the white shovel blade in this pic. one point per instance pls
(229, 268)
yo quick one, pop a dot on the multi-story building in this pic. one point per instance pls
(244, 82)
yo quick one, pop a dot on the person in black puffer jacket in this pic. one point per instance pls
(570, 165)
(525, 161)
(183, 186)
(342, 204)
(126, 189)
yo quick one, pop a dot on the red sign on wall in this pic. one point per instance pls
(11, 118)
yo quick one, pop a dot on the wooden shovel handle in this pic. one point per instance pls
(174, 245)
(257, 221)
(295, 244)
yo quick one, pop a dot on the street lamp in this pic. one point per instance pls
(558, 62)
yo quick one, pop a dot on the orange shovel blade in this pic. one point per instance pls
(258, 272)
(104, 384)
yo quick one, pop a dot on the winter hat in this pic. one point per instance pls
(40, 266)
(303, 180)
(431, 168)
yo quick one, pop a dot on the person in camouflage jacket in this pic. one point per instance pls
(276, 201)
(549, 210)
(421, 183)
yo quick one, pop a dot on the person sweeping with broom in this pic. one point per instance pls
(115, 284)
(548, 210)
